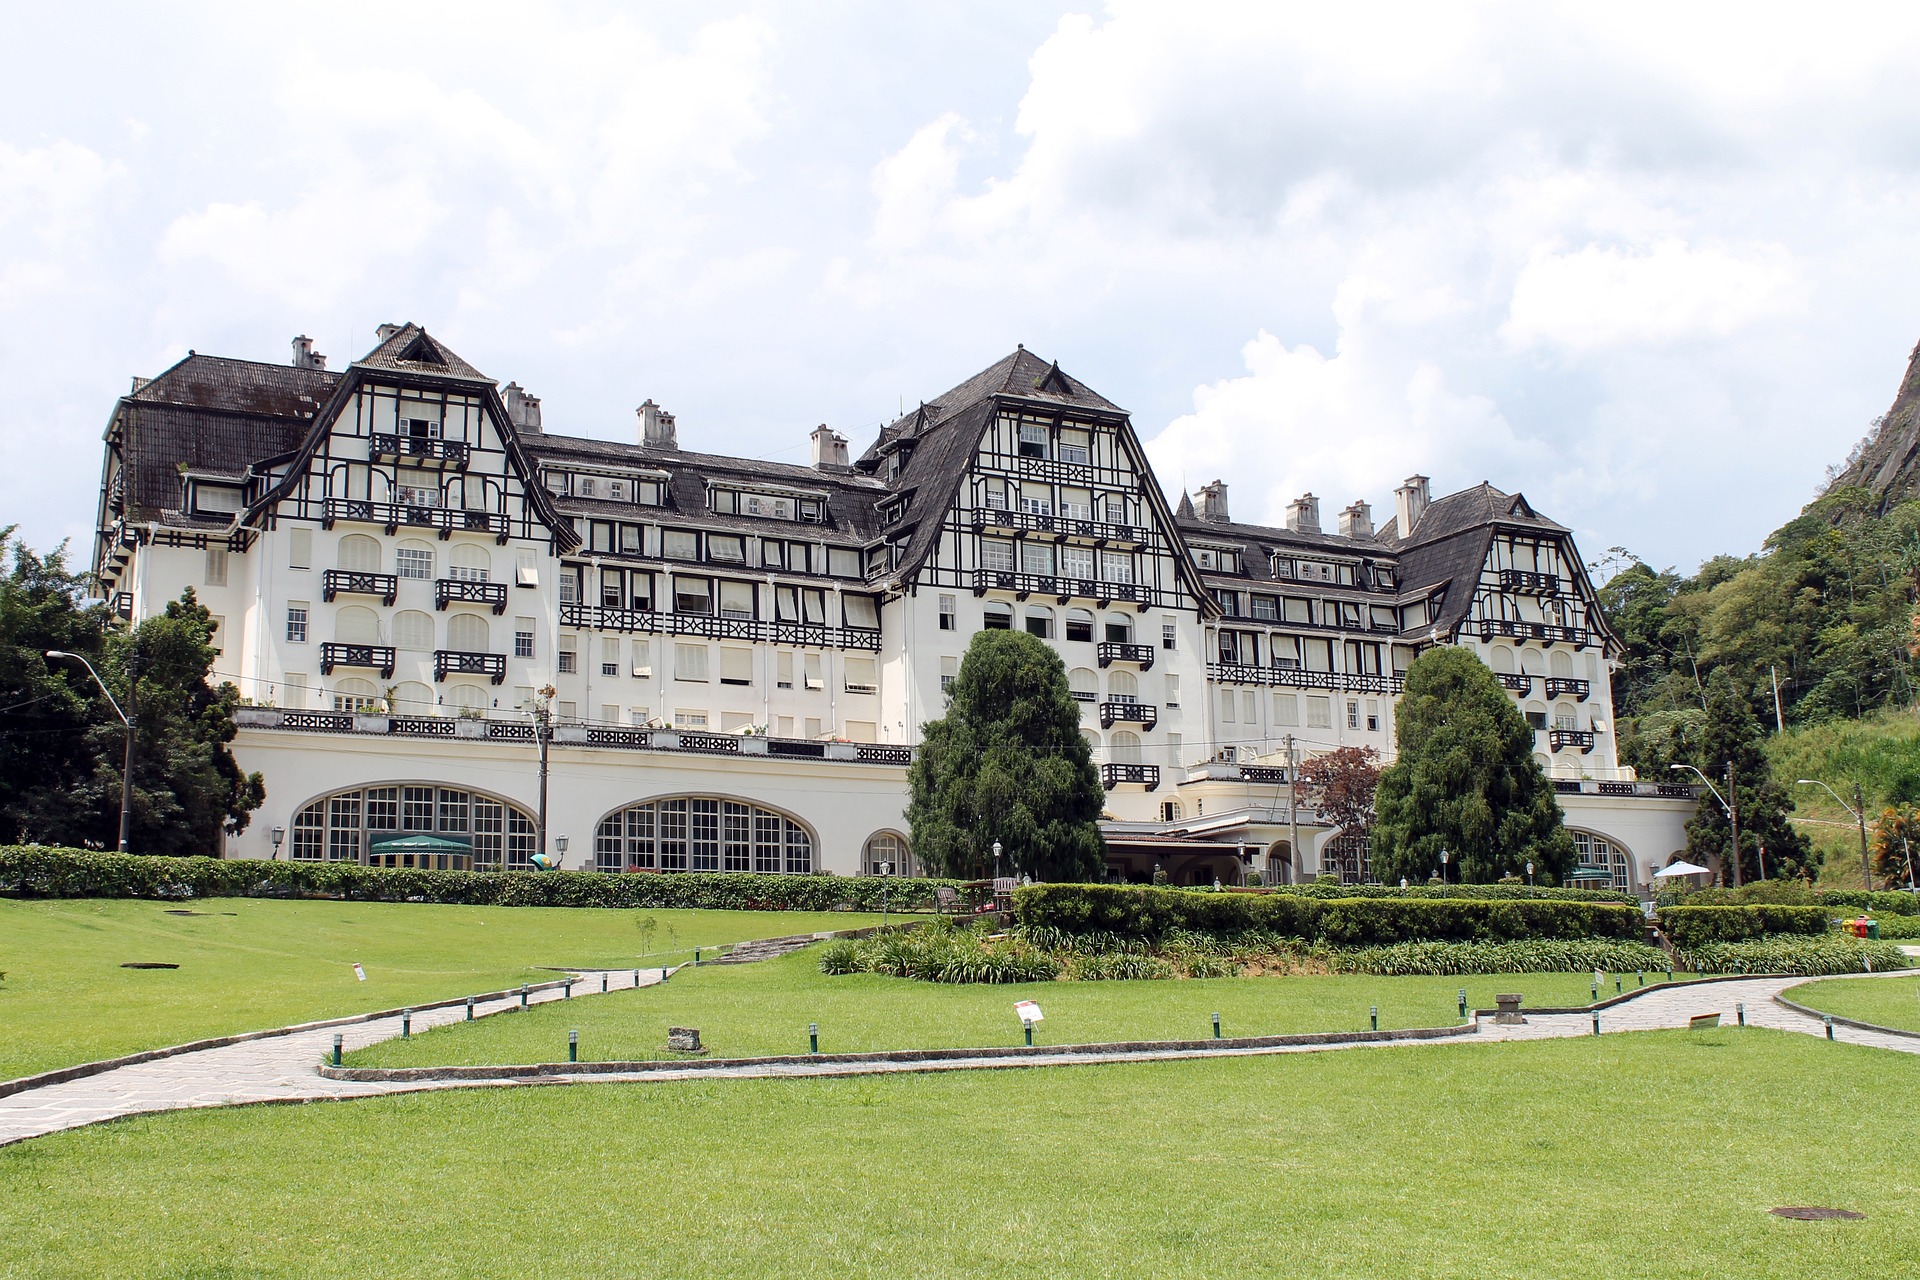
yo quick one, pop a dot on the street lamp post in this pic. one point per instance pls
(1443, 873)
(1728, 806)
(278, 834)
(1529, 875)
(127, 718)
(542, 713)
(560, 847)
(996, 859)
(1859, 811)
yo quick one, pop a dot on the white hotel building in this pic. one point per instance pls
(742, 653)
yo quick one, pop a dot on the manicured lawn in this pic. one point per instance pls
(1555, 1159)
(753, 1009)
(1890, 1002)
(248, 964)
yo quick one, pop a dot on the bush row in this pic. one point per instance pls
(939, 954)
(1692, 926)
(1152, 914)
(1483, 892)
(1452, 959)
(1809, 957)
(1885, 900)
(39, 871)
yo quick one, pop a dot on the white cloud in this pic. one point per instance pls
(1604, 296)
(53, 200)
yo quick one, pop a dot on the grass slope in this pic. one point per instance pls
(1887, 1002)
(1553, 1160)
(1881, 752)
(255, 963)
(756, 1009)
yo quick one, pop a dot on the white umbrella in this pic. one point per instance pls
(1681, 869)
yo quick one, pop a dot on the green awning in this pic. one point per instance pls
(419, 842)
(1589, 873)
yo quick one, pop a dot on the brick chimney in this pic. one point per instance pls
(382, 332)
(523, 410)
(1410, 500)
(656, 427)
(1303, 514)
(829, 449)
(304, 356)
(1357, 521)
(1213, 502)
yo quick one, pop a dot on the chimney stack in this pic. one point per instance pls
(1357, 521)
(523, 410)
(384, 331)
(1213, 502)
(1410, 500)
(656, 427)
(1303, 514)
(304, 356)
(829, 449)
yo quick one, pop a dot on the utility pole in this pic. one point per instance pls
(126, 765)
(1733, 820)
(1779, 723)
(1293, 818)
(1860, 812)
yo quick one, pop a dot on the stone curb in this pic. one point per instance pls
(1092, 1052)
(61, 1075)
(1839, 1021)
(1635, 994)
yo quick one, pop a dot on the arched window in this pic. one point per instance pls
(356, 624)
(359, 554)
(344, 826)
(414, 559)
(1546, 765)
(1531, 664)
(998, 616)
(1040, 621)
(1079, 624)
(411, 698)
(469, 563)
(1083, 684)
(413, 631)
(1122, 686)
(701, 833)
(1503, 659)
(1126, 747)
(468, 697)
(1561, 664)
(1093, 742)
(354, 694)
(1119, 629)
(1599, 854)
(1169, 811)
(886, 847)
(467, 633)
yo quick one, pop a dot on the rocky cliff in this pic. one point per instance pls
(1888, 461)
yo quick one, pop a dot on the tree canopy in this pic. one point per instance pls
(1465, 781)
(1008, 763)
(61, 744)
(1730, 736)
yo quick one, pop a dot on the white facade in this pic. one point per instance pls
(741, 655)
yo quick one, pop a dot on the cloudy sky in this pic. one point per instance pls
(1652, 265)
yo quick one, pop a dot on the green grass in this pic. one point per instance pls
(757, 1009)
(250, 964)
(1880, 751)
(1886, 1002)
(1630, 1155)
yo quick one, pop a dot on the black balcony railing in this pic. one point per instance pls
(351, 582)
(1642, 790)
(123, 605)
(1299, 678)
(448, 591)
(801, 634)
(1550, 632)
(1112, 651)
(387, 445)
(1516, 682)
(1145, 714)
(1558, 686)
(1560, 739)
(378, 657)
(1062, 589)
(1096, 531)
(1265, 775)
(460, 662)
(1144, 775)
(394, 515)
(1527, 583)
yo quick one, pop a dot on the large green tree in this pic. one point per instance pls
(1730, 737)
(1008, 763)
(1465, 781)
(61, 745)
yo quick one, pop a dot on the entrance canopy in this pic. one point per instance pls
(420, 842)
(1681, 869)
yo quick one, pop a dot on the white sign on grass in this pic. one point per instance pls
(1029, 1012)
(358, 972)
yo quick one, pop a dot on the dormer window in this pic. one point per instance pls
(216, 499)
(813, 511)
(1206, 557)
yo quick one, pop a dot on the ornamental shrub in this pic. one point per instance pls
(1885, 900)
(1690, 927)
(1807, 956)
(39, 871)
(1484, 892)
(1569, 955)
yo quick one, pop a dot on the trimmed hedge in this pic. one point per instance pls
(42, 871)
(1809, 957)
(1479, 892)
(1889, 901)
(1466, 958)
(1153, 913)
(1690, 927)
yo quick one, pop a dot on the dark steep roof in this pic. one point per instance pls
(411, 349)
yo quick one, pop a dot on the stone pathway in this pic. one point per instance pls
(281, 1068)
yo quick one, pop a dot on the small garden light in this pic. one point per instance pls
(336, 1048)
(406, 1024)
(523, 996)
(1596, 1022)
(1216, 1026)
(1463, 1004)
(1741, 1011)
(1373, 1015)
(813, 1037)
(569, 989)
(603, 984)
(469, 1008)
(573, 1046)
(1829, 1021)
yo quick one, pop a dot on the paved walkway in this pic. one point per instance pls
(282, 1068)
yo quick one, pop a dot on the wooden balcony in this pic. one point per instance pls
(389, 445)
(1112, 651)
(1144, 714)
(1300, 678)
(1098, 532)
(1563, 686)
(393, 516)
(1560, 739)
(1142, 775)
(461, 662)
(1061, 589)
(448, 591)
(376, 657)
(1515, 682)
(1524, 582)
(1550, 632)
(351, 582)
(810, 635)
